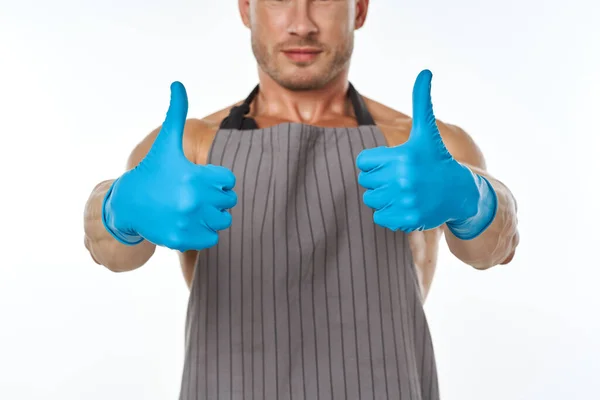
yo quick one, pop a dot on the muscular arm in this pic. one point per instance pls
(103, 248)
(497, 244)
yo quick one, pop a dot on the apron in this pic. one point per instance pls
(304, 297)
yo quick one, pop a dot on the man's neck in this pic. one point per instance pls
(307, 106)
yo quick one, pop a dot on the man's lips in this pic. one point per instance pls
(302, 54)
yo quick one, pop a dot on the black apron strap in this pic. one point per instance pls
(363, 116)
(237, 115)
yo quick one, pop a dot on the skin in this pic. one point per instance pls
(314, 92)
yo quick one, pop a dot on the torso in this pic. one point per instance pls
(395, 127)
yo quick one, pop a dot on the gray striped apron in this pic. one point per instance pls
(304, 297)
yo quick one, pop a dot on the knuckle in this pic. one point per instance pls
(408, 200)
(182, 224)
(174, 241)
(361, 178)
(414, 219)
(415, 216)
(234, 199)
(226, 219)
(232, 180)
(222, 175)
(404, 182)
(405, 157)
(367, 198)
(380, 219)
(210, 240)
(222, 221)
(186, 201)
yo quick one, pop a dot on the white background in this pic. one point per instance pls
(81, 82)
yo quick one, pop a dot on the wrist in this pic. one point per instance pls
(487, 206)
(109, 221)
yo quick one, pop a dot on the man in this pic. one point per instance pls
(307, 219)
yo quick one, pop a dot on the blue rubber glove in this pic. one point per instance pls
(167, 199)
(418, 185)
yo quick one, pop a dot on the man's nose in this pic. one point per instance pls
(301, 23)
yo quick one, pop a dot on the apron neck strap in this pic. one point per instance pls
(237, 116)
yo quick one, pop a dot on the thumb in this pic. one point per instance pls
(170, 136)
(424, 126)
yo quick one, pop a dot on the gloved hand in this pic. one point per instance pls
(418, 185)
(167, 199)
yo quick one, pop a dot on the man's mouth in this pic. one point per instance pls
(302, 54)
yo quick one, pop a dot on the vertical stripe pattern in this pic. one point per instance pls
(304, 297)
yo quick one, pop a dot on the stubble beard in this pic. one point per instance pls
(302, 81)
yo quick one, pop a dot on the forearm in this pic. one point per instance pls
(497, 243)
(104, 249)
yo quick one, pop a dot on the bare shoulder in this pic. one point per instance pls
(387, 117)
(396, 126)
(212, 121)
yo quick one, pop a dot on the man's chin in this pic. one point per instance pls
(297, 83)
(303, 79)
